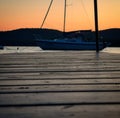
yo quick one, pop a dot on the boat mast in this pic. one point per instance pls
(46, 13)
(96, 25)
(64, 26)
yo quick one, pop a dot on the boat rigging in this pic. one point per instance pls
(46, 13)
(50, 5)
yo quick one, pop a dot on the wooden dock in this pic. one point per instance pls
(63, 84)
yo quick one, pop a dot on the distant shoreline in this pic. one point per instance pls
(25, 36)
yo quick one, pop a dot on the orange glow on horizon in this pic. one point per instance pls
(30, 13)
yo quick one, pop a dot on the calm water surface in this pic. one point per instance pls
(10, 49)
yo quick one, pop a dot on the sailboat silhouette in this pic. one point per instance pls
(76, 42)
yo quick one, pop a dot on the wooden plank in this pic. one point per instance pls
(71, 98)
(60, 88)
(67, 69)
(59, 82)
(61, 75)
(79, 111)
(64, 57)
(53, 64)
(55, 61)
(60, 65)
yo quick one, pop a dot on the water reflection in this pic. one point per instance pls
(112, 50)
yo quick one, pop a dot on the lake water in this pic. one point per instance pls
(15, 49)
(112, 50)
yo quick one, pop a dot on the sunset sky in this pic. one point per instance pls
(16, 14)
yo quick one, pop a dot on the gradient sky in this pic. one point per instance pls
(16, 14)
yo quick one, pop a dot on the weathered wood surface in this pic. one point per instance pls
(67, 84)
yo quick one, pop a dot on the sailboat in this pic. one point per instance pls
(68, 43)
